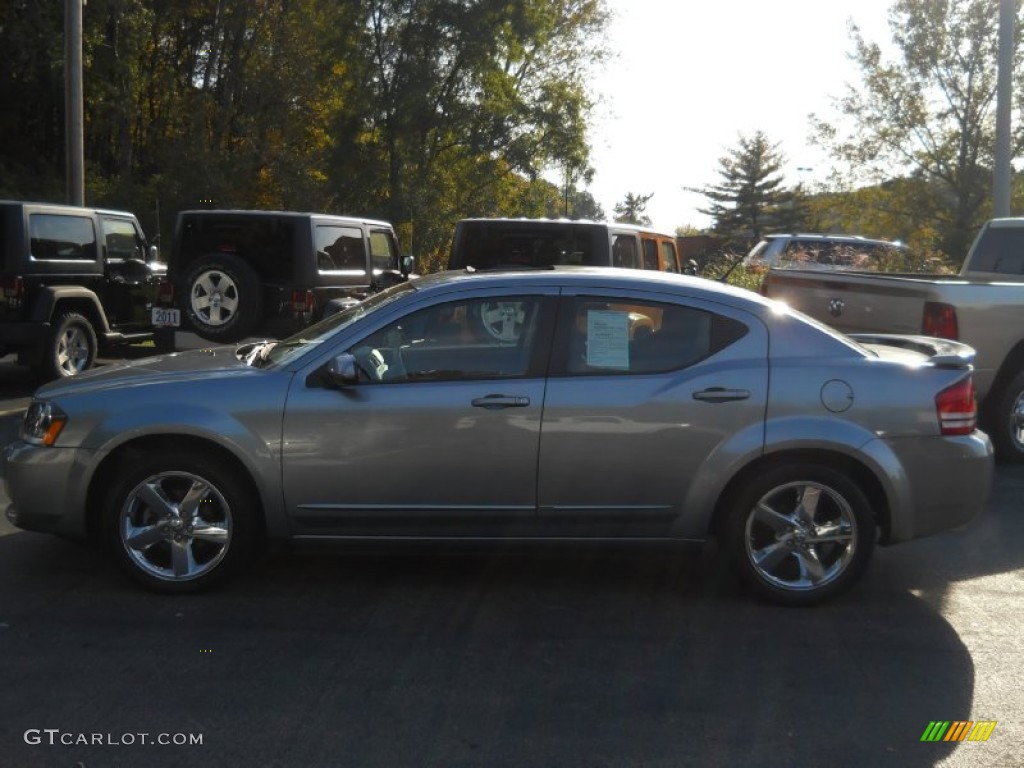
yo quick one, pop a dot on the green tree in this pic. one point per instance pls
(926, 114)
(633, 209)
(751, 198)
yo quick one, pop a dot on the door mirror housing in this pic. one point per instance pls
(343, 370)
(408, 265)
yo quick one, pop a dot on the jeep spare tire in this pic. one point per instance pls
(222, 297)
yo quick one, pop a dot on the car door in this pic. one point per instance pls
(439, 435)
(646, 397)
(129, 288)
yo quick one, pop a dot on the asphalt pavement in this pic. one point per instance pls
(513, 657)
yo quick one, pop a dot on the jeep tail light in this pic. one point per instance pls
(303, 301)
(165, 293)
(957, 408)
(14, 288)
(940, 321)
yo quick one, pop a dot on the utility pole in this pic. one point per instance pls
(1004, 93)
(74, 111)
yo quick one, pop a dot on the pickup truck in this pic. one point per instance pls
(982, 306)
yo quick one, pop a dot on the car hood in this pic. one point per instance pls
(180, 366)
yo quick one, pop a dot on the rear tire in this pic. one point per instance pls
(799, 534)
(70, 347)
(1006, 427)
(222, 297)
(180, 522)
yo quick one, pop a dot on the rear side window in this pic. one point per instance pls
(624, 252)
(62, 238)
(607, 337)
(490, 245)
(339, 249)
(999, 250)
(650, 255)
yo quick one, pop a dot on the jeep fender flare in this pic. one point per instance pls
(83, 299)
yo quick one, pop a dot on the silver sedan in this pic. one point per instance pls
(565, 404)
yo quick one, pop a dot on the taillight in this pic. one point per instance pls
(940, 321)
(165, 293)
(13, 287)
(303, 301)
(957, 408)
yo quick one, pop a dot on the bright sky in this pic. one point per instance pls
(692, 75)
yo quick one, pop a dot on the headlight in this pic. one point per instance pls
(43, 423)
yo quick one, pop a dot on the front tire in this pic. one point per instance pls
(70, 347)
(800, 533)
(222, 297)
(180, 522)
(1007, 421)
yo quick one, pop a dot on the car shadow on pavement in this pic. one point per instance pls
(518, 657)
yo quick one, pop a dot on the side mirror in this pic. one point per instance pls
(152, 254)
(343, 371)
(408, 265)
(691, 268)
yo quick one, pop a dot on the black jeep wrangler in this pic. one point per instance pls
(234, 273)
(72, 278)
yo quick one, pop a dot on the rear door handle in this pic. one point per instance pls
(500, 401)
(721, 395)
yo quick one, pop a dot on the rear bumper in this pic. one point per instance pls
(22, 334)
(945, 483)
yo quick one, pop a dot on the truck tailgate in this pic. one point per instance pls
(850, 302)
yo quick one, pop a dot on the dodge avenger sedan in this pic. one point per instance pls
(565, 404)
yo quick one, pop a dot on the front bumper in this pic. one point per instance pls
(47, 488)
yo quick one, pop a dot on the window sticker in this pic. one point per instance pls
(607, 339)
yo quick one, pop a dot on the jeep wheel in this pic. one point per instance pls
(223, 297)
(70, 347)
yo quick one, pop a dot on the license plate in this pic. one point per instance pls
(166, 318)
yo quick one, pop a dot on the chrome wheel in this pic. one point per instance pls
(175, 526)
(214, 297)
(74, 353)
(801, 536)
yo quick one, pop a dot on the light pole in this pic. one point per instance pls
(74, 112)
(1004, 91)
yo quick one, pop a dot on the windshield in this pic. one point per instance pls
(275, 353)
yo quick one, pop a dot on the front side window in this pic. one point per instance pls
(491, 338)
(62, 238)
(668, 257)
(383, 251)
(339, 249)
(606, 337)
(122, 240)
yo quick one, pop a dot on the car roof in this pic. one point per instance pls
(833, 238)
(283, 214)
(594, 277)
(571, 222)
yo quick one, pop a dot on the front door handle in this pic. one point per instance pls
(721, 395)
(492, 402)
